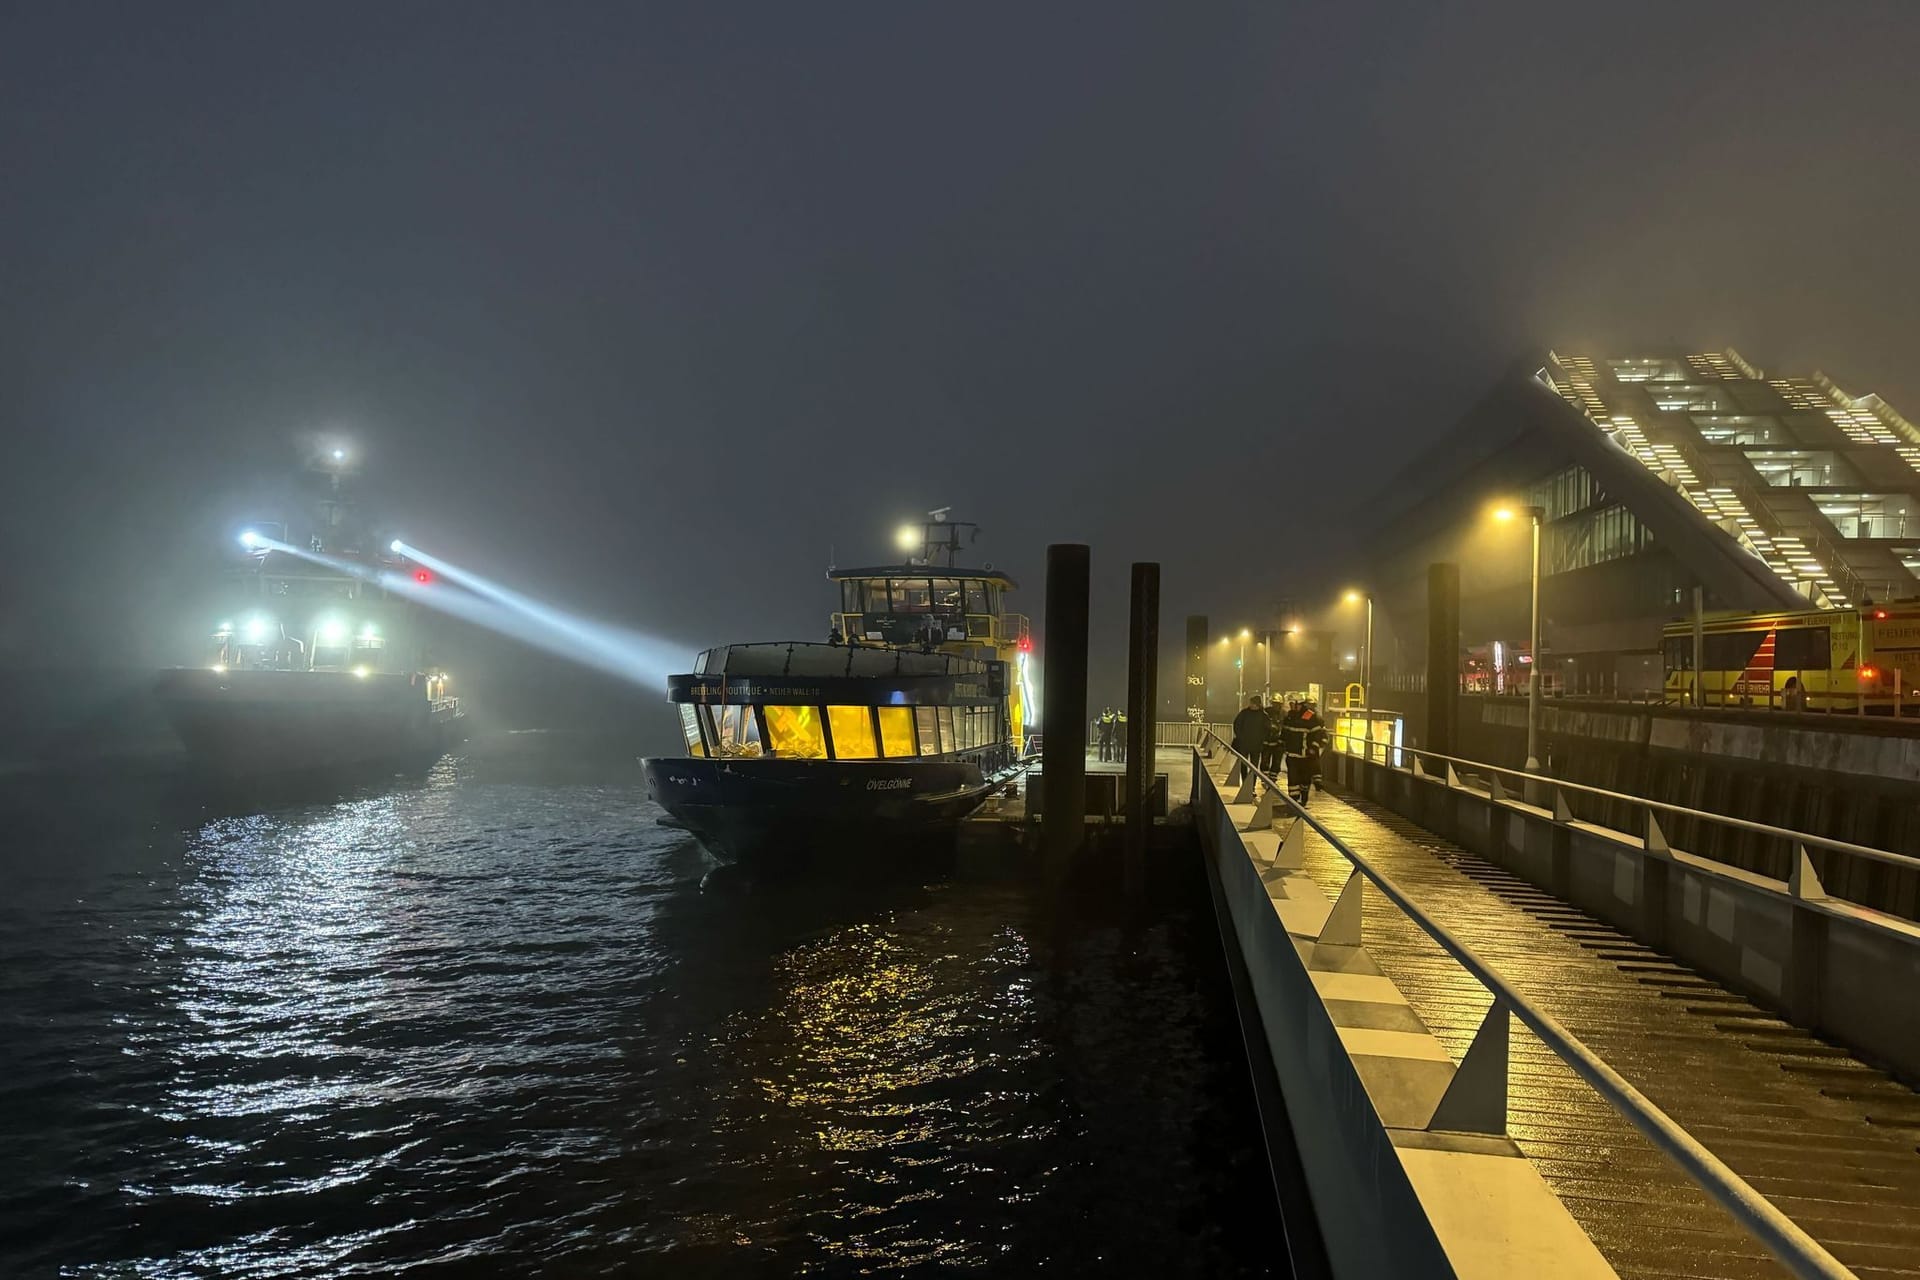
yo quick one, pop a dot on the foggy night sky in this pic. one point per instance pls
(650, 306)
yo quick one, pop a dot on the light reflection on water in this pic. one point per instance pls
(492, 1022)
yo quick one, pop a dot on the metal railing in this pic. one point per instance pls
(1182, 733)
(1551, 794)
(1799, 1252)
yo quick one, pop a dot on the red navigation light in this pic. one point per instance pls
(423, 575)
(1868, 673)
(1026, 644)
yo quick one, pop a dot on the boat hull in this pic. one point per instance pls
(252, 723)
(773, 813)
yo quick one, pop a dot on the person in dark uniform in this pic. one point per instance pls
(1120, 735)
(1276, 717)
(1106, 734)
(1302, 736)
(1250, 731)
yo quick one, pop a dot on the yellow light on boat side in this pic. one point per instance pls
(795, 732)
(852, 733)
(896, 731)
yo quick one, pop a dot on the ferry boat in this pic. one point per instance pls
(880, 739)
(310, 662)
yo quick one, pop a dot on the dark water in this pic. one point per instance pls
(492, 1022)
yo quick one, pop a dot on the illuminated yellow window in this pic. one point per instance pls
(896, 730)
(795, 732)
(852, 733)
(946, 731)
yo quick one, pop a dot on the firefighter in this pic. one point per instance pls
(1276, 719)
(1303, 736)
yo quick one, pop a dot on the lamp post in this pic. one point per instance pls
(1533, 515)
(1266, 685)
(1366, 650)
(1241, 666)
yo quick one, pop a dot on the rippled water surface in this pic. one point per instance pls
(492, 1021)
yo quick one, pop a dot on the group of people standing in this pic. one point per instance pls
(1293, 733)
(1110, 732)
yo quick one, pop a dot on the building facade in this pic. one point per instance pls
(1653, 474)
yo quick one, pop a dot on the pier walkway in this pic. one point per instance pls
(1833, 1142)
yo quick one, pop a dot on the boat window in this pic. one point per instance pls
(736, 730)
(977, 598)
(795, 732)
(852, 733)
(910, 597)
(873, 596)
(929, 731)
(947, 596)
(690, 728)
(946, 729)
(896, 731)
(850, 597)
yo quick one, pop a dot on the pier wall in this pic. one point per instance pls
(1827, 965)
(1361, 1078)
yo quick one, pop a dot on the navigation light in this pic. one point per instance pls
(423, 575)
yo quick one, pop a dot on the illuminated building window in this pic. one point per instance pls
(1799, 467)
(1870, 515)
(1592, 537)
(852, 733)
(929, 726)
(1683, 398)
(896, 731)
(1743, 429)
(1648, 370)
(795, 732)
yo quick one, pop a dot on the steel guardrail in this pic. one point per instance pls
(1785, 1239)
(1806, 838)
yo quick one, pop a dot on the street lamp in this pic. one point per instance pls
(1366, 649)
(1265, 645)
(1533, 515)
(1241, 665)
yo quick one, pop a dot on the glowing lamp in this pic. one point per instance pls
(1352, 597)
(361, 672)
(1868, 673)
(339, 455)
(332, 631)
(257, 630)
(907, 538)
(249, 539)
(1503, 513)
(394, 546)
(422, 576)
(1879, 614)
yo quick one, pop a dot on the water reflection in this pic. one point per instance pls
(490, 1017)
